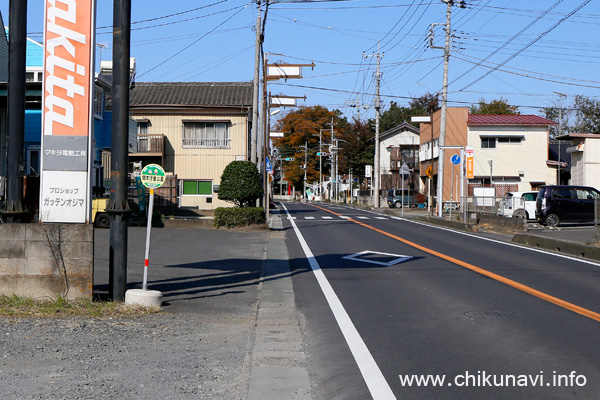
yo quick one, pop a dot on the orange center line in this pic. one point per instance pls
(499, 278)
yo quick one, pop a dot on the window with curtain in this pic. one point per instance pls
(211, 135)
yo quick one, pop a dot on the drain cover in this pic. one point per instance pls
(375, 257)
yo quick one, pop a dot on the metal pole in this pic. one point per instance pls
(305, 168)
(14, 207)
(320, 164)
(148, 231)
(377, 110)
(118, 207)
(463, 203)
(442, 139)
(255, 96)
(402, 189)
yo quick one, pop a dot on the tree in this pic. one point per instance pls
(240, 183)
(396, 115)
(587, 114)
(358, 148)
(494, 107)
(300, 127)
(554, 113)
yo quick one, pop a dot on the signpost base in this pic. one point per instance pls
(145, 298)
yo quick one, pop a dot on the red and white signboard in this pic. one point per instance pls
(67, 110)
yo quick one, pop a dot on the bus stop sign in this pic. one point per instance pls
(153, 176)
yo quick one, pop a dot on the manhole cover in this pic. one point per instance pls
(375, 257)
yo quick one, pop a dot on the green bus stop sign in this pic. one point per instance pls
(153, 176)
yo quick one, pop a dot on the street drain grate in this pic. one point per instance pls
(493, 314)
(375, 257)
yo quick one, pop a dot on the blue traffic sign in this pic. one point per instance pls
(455, 159)
(269, 166)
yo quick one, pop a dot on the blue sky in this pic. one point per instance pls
(213, 40)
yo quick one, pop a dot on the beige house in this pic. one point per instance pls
(510, 151)
(193, 130)
(585, 159)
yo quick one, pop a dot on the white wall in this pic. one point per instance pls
(526, 159)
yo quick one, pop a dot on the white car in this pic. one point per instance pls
(518, 205)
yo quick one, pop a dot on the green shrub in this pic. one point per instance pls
(240, 183)
(239, 216)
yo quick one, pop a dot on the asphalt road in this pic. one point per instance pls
(494, 320)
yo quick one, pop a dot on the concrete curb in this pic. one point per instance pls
(560, 246)
(278, 369)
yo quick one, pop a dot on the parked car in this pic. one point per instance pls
(556, 204)
(395, 198)
(518, 205)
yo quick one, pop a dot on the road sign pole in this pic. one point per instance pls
(148, 231)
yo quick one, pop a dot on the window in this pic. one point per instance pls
(211, 135)
(488, 143)
(142, 127)
(196, 188)
(509, 140)
(98, 102)
(29, 76)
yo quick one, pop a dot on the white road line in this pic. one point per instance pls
(343, 216)
(492, 240)
(381, 218)
(327, 217)
(362, 217)
(378, 386)
(309, 217)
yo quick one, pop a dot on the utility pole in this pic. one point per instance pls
(258, 44)
(560, 123)
(305, 168)
(442, 138)
(377, 177)
(117, 207)
(14, 207)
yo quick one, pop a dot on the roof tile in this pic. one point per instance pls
(510, 119)
(191, 94)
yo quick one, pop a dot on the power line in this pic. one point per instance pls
(194, 42)
(529, 44)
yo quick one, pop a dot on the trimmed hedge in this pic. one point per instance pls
(239, 216)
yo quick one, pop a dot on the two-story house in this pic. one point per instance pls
(510, 152)
(398, 146)
(194, 129)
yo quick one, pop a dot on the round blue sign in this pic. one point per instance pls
(455, 159)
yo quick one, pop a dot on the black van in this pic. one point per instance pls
(555, 204)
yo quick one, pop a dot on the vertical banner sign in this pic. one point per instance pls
(470, 162)
(65, 194)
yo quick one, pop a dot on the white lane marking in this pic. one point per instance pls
(309, 217)
(381, 218)
(362, 217)
(492, 240)
(398, 258)
(327, 217)
(290, 217)
(345, 217)
(378, 386)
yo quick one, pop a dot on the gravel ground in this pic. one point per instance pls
(178, 356)
(199, 347)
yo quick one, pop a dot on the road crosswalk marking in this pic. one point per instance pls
(341, 216)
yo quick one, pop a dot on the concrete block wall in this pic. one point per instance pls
(42, 260)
